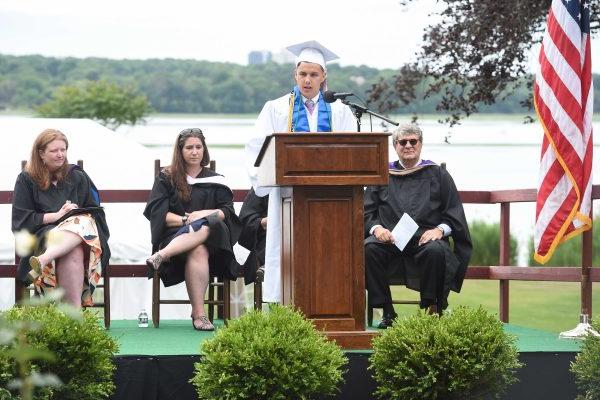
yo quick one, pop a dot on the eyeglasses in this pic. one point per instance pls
(403, 142)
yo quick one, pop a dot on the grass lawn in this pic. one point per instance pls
(550, 306)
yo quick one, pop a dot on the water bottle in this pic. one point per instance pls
(143, 319)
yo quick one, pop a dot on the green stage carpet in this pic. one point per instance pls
(176, 337)
(535, 340)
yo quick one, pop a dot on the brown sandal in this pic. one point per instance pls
(36, 267)
(154, 262)
(205, 324)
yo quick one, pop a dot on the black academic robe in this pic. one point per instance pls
(430, 197)
(223, 234)
(30, 203)
(253, 236)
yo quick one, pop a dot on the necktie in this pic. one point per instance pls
(310, 106)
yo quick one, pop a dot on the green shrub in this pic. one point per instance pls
(82, 352)
(464, 354)
(586, 366)
(274, 355)
(486, 244)
(569, 252)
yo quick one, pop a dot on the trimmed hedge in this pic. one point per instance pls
(464, 354)
(275, 355)
(82, 349)
(586, 366)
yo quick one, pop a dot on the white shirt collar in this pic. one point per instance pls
(403, 166)
(314, 99)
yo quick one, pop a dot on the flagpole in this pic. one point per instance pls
(586, 264)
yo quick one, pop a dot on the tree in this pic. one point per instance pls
(476, 54)
(108, 103)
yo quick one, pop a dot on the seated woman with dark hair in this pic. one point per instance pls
(193, 223)
(72, 247)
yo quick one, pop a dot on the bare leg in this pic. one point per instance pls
(69, 274)
(196, 279)
(185, 242)
(68, 242)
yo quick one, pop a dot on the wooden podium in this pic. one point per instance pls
(322, 176)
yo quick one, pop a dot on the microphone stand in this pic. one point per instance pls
(358, 111)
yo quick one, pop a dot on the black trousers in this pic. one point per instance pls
(422, 268)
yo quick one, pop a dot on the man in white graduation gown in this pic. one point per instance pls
(302, 110)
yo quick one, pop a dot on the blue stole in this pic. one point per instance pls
(300, 119)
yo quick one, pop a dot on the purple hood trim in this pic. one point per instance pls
(396, 164)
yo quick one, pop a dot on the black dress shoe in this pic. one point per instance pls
(387, 321)
(260, 275)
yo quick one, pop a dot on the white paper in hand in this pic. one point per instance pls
(404, 231)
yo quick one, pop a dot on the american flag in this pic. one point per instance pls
(563, 98)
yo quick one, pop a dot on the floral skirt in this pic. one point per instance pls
(84, 226)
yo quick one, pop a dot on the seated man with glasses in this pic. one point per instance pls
(428, 263)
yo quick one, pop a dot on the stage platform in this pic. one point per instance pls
(157, 363)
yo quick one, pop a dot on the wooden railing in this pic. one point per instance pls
(503, 272)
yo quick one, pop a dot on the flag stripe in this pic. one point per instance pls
(551, 179)
(568, 143)
(561, 16)
(557, 208)
(570, 101)
(564, 57)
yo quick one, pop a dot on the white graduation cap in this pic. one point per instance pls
(313, 52)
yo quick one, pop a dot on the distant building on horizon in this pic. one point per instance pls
(259, 57)
(264, 56)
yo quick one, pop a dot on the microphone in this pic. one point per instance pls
(331, 96)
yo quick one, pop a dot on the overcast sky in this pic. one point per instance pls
(378, 33)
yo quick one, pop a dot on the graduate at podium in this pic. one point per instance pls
(301, 110)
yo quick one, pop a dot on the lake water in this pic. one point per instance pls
(488, 154)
